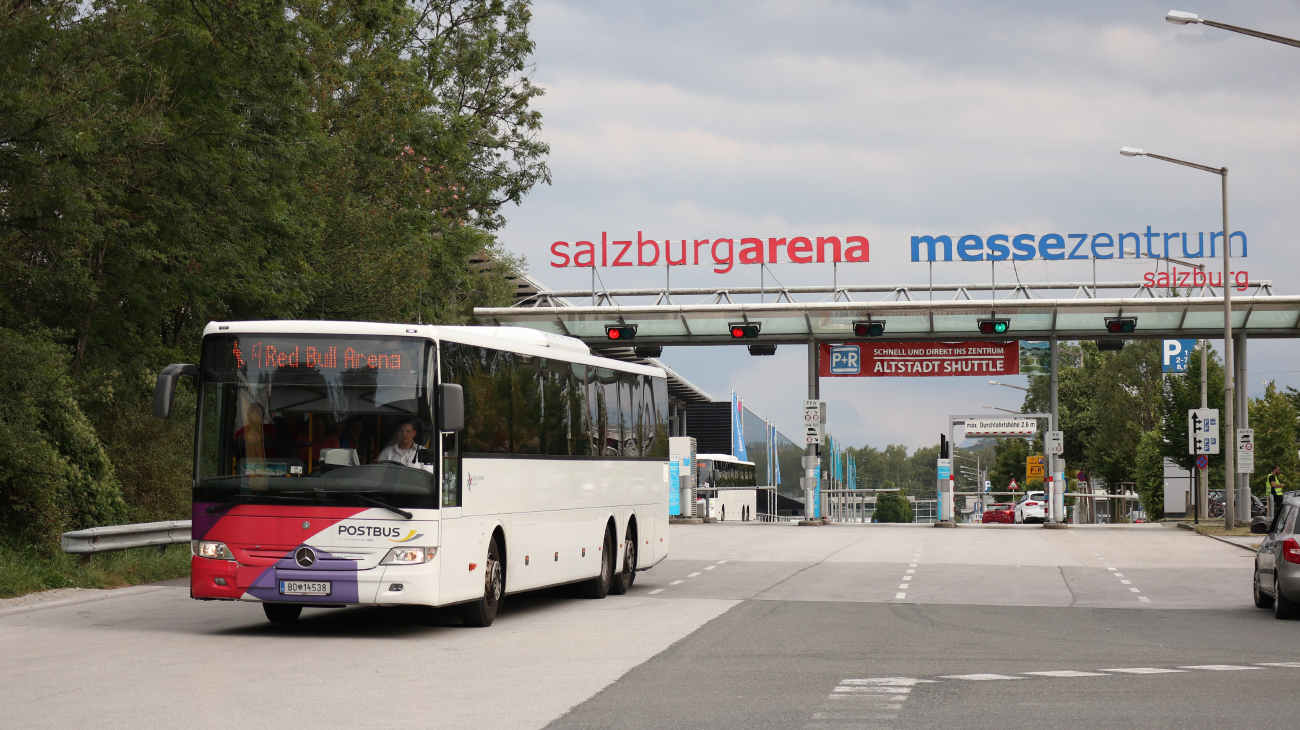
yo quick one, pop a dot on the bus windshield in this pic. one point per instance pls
(315, 419)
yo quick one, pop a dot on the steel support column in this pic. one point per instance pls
(1243, 421)
(1055, 502)
(814, 392)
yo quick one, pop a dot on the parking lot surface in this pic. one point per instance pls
(744, 626)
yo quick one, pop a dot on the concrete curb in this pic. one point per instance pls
(77, 600)
(1192, 528)
(1056, 525)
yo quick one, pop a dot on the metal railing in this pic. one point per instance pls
(124, 537)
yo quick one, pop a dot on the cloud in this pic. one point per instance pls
(892, 119)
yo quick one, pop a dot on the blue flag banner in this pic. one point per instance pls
(738, 429)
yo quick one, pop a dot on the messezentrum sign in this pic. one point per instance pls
(1071, 246)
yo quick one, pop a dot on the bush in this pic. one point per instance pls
(54, 473)
(892, 507)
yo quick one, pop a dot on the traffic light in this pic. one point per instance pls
(744, 330)
(620, 332)
(994, 326)
(869, 329)
(1121, 325)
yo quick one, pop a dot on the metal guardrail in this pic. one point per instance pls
(124, 537)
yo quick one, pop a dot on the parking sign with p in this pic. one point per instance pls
(1176, 354)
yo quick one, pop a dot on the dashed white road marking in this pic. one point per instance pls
(854, 701)
(907, 577)
(677, 582)
(1126, 582)
(1144, 599)
(720, 562)
(1134, 590)
(902, 587)
(913, 565)
(657, 590)
(1219, 667)
(1289, 665)
(710, 567)
(980, 677)
(1144, 670)
(910, 570)
(900, 595)
(692, 575)
(1068, 673)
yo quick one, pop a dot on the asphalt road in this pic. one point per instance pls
(747, 626)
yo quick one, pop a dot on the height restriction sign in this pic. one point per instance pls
(1245, 451)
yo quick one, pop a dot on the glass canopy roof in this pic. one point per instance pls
(1073, 319)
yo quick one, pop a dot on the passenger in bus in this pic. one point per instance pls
(403, 450)
(328, 439)
(354, 436)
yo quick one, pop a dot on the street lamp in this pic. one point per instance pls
(1229, 452)
(1178, 17)
(1007, 385)
(995, 408)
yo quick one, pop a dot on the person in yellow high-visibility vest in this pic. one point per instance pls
(1275, 487)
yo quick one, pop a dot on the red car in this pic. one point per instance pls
(999, 514)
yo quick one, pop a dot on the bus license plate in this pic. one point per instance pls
(305, 588)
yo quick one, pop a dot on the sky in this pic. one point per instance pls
(893, 119)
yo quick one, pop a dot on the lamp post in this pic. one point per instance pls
(1004, 410)
(1229, 432)
(1178, 17)
(1008, 385)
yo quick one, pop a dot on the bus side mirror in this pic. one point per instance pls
(164, 392)
(451, 407)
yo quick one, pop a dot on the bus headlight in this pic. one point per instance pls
(409, 555)
(211, 549)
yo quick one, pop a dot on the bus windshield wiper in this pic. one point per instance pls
(362, 497)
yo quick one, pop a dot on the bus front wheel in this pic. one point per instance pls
(281, 613)
(598, 587)
(484, 610)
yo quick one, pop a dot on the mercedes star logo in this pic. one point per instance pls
(305, 556)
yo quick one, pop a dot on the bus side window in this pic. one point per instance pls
(450, 470)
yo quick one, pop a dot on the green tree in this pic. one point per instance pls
(1273, 418)
(892, 507)
(1009, 463)
(1149, 474)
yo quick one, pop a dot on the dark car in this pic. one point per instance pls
(1002, 513)
(1277, 563)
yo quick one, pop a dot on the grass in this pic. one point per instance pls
(1213, 529)
(24, 569)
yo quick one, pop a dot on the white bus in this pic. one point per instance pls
(344, 463)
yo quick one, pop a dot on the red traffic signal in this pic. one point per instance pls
(1121, 325)
(620, 332)
(868, 329)
(744, 330)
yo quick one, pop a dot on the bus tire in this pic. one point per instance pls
(281, 613)
(624, 578)
(599, 586)
(482, 612)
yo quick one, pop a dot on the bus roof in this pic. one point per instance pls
(522, 340)
(723, 457)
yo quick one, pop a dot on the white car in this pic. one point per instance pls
(1031, 509)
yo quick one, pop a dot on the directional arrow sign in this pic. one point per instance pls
(1203, 431)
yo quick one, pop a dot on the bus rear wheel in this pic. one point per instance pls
(624, 578)
(281, 613)
(598, 587)
(483, 611)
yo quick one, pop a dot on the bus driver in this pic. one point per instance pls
(404, 450)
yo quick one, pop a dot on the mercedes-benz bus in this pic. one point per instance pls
(346, 463)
